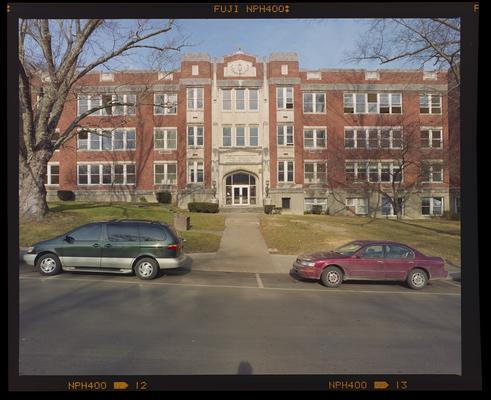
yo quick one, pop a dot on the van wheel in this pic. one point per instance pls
(48, 264)
(332, 277)
(146, 268)
(417, 279)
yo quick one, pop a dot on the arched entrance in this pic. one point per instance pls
(240, 189)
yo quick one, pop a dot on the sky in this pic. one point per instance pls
(319, 43)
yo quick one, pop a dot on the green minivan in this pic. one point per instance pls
(118, 246)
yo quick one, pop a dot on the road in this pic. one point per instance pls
(210, 322)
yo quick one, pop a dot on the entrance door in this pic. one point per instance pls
(240, 195)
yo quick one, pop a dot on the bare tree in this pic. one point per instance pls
(53, 56)
(415, 40)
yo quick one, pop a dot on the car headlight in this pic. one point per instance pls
(308, 263)
(30, 250)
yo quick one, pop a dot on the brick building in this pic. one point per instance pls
(246, 132)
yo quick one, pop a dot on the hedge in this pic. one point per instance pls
(164, 197)
(203, 207)
(66, 195)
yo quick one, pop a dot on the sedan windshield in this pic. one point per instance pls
(349, 249)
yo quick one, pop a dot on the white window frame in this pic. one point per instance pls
(430, 129)
(314, 102)
(316, 130)
(193, 165)
(431, 164)
(166, 172)
(102, 111)
(283, 105)
(430, 103)
(160, 108)
(315, 178)
(233, 100)
(236, 136)
(432, 206)
(166, 131)
(99, 132)
(100, 164)
(367, 164)
(352, 95)
(356, 204)
(314, 201)
(249, 135)
(195, 136)
(195, 98)
(284, 134)
(49, 174)
(285, 171)
(379, 130)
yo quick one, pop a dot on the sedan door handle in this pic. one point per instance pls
(95, 245)
(379, 261)
(108, 245)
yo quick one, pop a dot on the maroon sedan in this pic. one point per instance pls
(371, 260)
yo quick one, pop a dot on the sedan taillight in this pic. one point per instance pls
(172, 247)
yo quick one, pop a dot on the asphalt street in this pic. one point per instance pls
(213, 322)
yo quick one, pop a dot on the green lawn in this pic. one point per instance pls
(288, 234)
(204, 235)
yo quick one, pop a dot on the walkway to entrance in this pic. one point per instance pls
(242, 248)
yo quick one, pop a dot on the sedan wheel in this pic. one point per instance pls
(48, 264)
(146, 268)
(417, 279)
(332, 277)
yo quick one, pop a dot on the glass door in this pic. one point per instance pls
(240, 195)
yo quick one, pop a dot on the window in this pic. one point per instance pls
(240, 136)
(395, 251)
(91, 232)
(314, 138)
(285, 171)
(358, 205)
(165, 104)
(227, 99)
(372, 171)
(110, 102)
(315, 172)
(432, 206)
(98, 139)
(240, 99)
(310, 202)
(123, 232)
(431, 138)
(430, 104)
(86, 102)
(165, 138)
(52, 175)
(373, 138)
(152, 233)
(165, 173)
(195, 172)
(314, 103)
(284, 97)
(372, 103)
(253, 99)
(227, 136)
(195, 136)
(106, 174)
(373, 251)
(195, 98)
(285, 203)
(285, 135)
(253, 136)
(432, 172)
(387, 208)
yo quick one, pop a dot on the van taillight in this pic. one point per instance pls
(172, 247)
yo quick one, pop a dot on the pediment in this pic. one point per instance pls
(239, 68)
